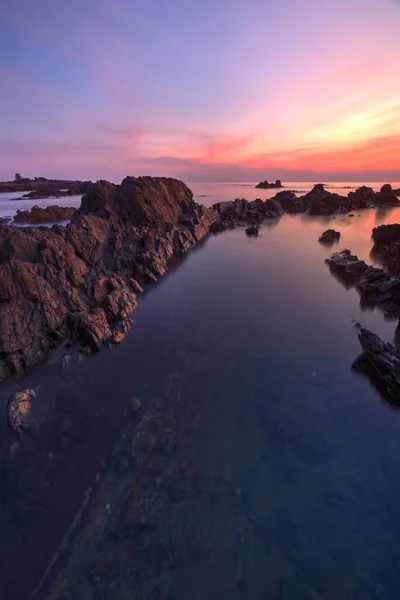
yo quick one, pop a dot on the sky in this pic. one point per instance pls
(217, 90)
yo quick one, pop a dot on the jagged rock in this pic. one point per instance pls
(347, 266)
(329, 236)
(20, 417)
(375, 286)
(253, 230)
(385, 361)
(241, 210)
(290, 202)
(363, 197)
(50, 214)
(5, 220)
(321, 202)
(81, 280)
(265, 185)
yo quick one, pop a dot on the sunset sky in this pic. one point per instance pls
(217, 90)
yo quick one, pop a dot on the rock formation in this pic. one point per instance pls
(387, 246)
(375, 286)
(242, 211)
(329, 236)
(385, 361)
(264, 185)
(81, 280)
(50, 214)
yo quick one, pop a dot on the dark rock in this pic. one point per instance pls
(253, 230)
(241, 210)
(386, 234)
(50, 214)
(385, 361)
(363, 197)
(321, 202)
(20, 415)
(290, 202)
(81, 280)
(375, 286)
(264, 185)
(386, 189)
(347, 266)
(351, 215)
(329, 236)
(5, 220)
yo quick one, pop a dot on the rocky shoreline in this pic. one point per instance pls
(80, 282)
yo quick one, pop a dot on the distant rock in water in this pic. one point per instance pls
(385, 361)
(329, 236)
(241, 210)
(50, 214)
(264, 185)
(81, 280)
(253, 230)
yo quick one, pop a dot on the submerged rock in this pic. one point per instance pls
(385, 361)
(20, 410)
(329, 236)
(50, 214)
(253, 230)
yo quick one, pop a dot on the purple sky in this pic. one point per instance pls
(223, 90)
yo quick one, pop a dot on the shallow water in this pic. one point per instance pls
(11, 202)
(256, 464)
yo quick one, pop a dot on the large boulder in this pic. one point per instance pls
(329, 236)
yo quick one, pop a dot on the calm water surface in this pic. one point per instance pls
(251, 462)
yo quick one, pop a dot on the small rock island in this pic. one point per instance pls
(264, 185)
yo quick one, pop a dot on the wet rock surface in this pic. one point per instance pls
(81, 281)
(387, 246)
(384, 359)
(20, 416)
(50, 214)
(329, 236)
(375, 286)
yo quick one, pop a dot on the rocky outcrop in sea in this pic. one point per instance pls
(264, 185)
(81, 281)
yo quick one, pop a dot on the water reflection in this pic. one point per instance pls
(251, 459)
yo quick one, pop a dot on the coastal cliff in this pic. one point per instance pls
(81, 281)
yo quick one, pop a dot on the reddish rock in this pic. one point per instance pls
(81, 280)
(50, 214)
